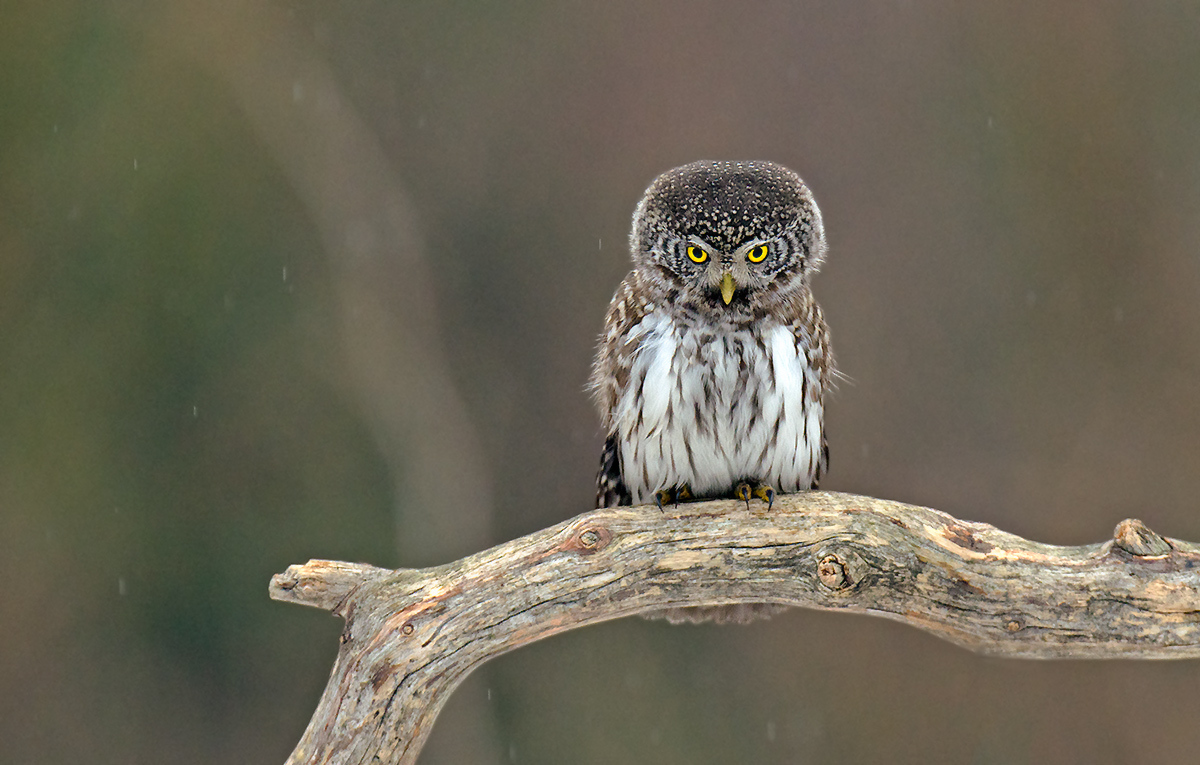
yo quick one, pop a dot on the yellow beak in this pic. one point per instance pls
(727, 287)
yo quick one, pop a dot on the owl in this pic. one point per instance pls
(712, 369)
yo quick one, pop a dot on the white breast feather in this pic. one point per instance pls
(680, 436)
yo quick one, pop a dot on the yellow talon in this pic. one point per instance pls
(674, 495)
(766, 494)
(743, 492)
(662, 497)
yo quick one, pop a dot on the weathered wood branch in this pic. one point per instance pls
(412, 635)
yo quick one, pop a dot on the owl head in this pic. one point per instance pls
(732, 239)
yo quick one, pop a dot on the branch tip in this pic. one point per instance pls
(321, 583)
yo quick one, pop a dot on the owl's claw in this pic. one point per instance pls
(673, 495)
(744, 491)
(766, 494)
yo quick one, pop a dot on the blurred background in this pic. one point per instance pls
(284, 280)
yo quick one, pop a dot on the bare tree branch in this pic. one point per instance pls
(413, 634)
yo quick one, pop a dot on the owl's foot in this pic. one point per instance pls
(766, 494)
(745, 491)
(673, 495)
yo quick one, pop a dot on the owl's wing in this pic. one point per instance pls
(812, 341)
(610, 486)
(610, 375)
(823, 464)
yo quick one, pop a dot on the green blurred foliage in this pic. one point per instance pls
(170, 439)
(1013, 200)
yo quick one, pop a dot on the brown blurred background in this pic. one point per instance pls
(307, 279)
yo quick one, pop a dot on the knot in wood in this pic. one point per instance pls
(408, 628)
(1133, 536)
(589, 539)
(1013, 625)
(832, 573)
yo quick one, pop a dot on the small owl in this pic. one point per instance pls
(714, 362)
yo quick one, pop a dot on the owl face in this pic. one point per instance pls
(729, 238)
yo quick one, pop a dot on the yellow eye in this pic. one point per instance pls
(697, 254)
(758, 254)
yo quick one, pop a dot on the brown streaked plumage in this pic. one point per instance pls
(713, 367)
